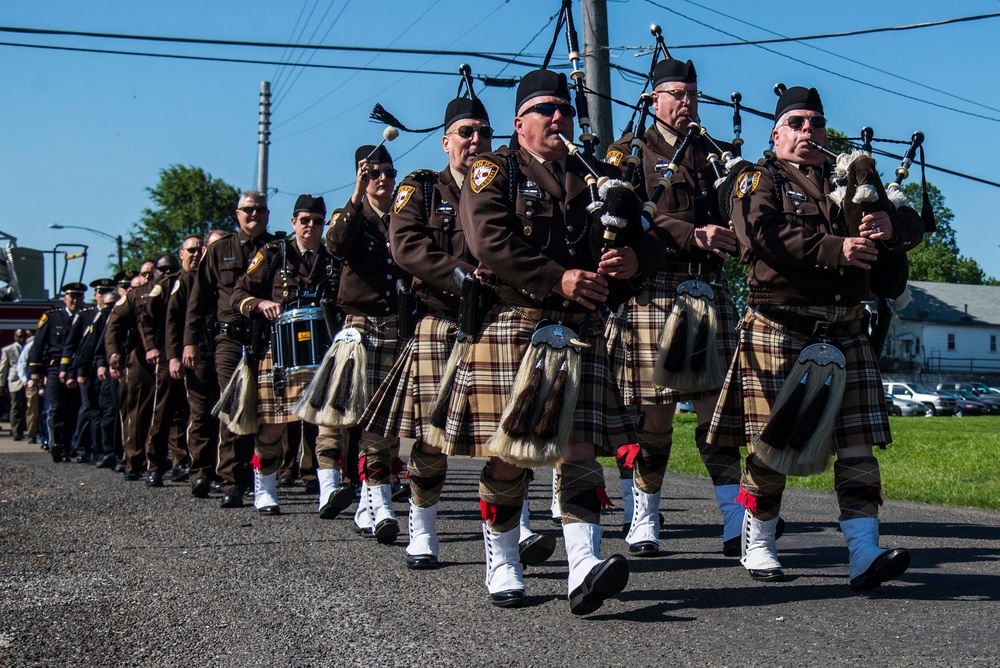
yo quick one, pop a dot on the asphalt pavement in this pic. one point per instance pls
(97, 571)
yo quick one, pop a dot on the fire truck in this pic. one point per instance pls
(24, 295)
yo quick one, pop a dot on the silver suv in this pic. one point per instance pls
(917, 392)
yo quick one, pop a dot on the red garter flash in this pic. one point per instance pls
(361, 467)
(747, 500)
(602, 496)
(255, 462)
(488, 511)
(626, 455)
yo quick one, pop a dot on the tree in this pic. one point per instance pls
(187, 202)
(938, 258)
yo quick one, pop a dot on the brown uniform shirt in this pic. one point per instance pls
(153, 317)
(793, 235)
(291, 281)
(176, 314)
(525, 246)
(359, 237)
(122, 334)
(427, 238)
(692, 190)
(224, 262)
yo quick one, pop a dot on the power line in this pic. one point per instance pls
(285, 90)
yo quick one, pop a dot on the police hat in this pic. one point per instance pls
(462, 108)
(124, 278)
(310, 204)
(541, 83)
(674, 70)
(73, 289)
(102, 285)
(798, 97)
(381, 154)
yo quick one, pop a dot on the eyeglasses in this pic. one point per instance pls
(309, 221)
(146, 273)
(549, 109)
(466, 132)
(379, 173)
(192, 250)
(165, 267)
(680, 94)
(250, 210)
(797, 122)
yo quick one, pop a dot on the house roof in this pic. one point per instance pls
(946, 303)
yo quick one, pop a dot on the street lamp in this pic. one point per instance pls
(118, 238)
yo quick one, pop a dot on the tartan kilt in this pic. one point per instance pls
(272, 409)
(634, 333)
(485, 378)
(766, 354)
(407, 396)
(378, 335)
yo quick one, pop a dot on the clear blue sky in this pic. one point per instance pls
(82, 135)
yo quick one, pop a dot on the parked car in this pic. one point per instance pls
(992, 401)
(685, 407)
(904, 407)
(917, 392)
(963, 406)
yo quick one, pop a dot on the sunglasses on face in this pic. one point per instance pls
(549, 109)
(379, 173)
(466, 132)
(250, 210)
(797, 122)
(192, 250)
(309, 221)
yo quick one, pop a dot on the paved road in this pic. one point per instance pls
(96, 571)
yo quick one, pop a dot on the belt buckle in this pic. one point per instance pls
(694, 268)
(821, 329)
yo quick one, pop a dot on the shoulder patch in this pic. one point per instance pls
(747, 183)
(255, 262)
(335, 216)
(403, 195)
(156, 291)
(41, 321)
(121, 300)
(482, 174)
(177, 286)
(614, 157)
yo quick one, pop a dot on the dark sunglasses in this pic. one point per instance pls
(548, 109)
(796, 122)
(249, 210)
(192, 250)
(466, 132)
(309, 221)
(377, 173)
(165, 267)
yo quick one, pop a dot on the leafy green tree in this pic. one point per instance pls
(187, 201)
(938, 258)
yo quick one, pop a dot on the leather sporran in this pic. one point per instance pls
(338, 394)
(688, 359)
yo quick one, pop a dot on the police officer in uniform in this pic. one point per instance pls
(211, 296)
(359, 237)
(807, 281)
(530, 229)
(698, 237)
(48, 365)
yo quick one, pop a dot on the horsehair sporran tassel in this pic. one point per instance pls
(552, 358)
(676, 349)
(688, 360)
(824, 368)
(786, 408)
(439, 414)
(316, 394)
(237, 407)
(699, 352)
(346, 388)
(345, 383)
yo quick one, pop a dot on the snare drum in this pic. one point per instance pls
(299, 339)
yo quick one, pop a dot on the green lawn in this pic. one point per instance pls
(942, 460)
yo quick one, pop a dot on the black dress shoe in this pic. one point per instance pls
(154, 479)
(200, 488)
(513, 598)
(602, 582)
(421, 562)
(215, 487)
(385, 532)
(132, 476)
(888, 566)
(400, 492)
(18, 437)
(232, 499)
(767, 574)
(179, 473)
(536, 548)
(646, 548)
(119, 466)
(32, 440)
(341, 498)
(106, 462)
(367, 532)
(269, 510)
(312, 486)
(285, 481)
(56, 457)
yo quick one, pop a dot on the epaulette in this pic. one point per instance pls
(421, 174)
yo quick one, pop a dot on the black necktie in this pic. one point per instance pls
(308, 260)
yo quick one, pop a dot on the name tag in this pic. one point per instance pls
(798, 197)
(661, 165)
(530, 190)
(445, 209)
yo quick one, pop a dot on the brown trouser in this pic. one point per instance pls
(34, 408)
(140, 383)
(167, 431)
(299, 437)
(235, 452)
(203, 427)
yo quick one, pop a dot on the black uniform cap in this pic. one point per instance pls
(310, 204)
(538, 83)
(674, 70)
(73, 289)
(798, 97)
(381, 155)
(462, 108)
(104, 284)
(124, 278)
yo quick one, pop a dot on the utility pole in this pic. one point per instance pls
(597, 65)
(264, 135)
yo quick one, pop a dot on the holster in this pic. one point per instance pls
(470, 310)
(407, 304)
